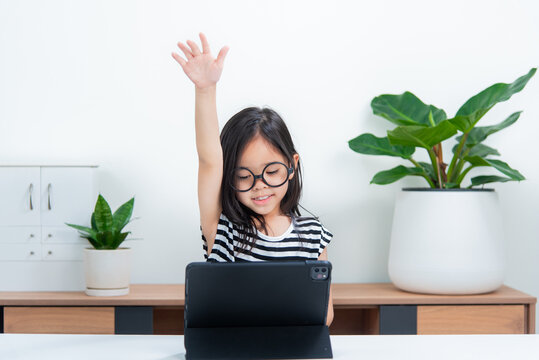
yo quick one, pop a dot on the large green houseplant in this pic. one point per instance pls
(107, 265)
(446, 238)
(426, 126)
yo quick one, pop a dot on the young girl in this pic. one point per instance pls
(249, 178)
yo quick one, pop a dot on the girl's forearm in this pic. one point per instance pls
(207, 127)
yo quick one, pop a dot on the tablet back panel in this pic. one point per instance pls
(264, 310)
(256, 294)
(248, 343)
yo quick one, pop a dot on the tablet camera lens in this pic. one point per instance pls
(319, 273)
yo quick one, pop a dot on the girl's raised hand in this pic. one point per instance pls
(203, 70)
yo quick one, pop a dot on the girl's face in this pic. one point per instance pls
(263, 199)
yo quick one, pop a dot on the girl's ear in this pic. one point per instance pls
(296, 159)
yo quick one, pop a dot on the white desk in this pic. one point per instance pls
(169, 347)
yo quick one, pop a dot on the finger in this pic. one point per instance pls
(194, 48)
(205, 44)
(179, 59)
(185, 50)
(222, 54)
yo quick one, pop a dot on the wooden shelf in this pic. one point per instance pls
(139, 295)
(359, 309)
(344, 295)
(388, 294)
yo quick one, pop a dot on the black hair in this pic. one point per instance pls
(236, 134)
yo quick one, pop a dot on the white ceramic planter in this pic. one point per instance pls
(107, 271)
(447, 242)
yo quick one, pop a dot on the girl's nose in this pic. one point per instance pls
(259, 184)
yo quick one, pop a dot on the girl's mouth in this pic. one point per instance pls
(261, 200)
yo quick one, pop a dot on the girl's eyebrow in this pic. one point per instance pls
(262, 164)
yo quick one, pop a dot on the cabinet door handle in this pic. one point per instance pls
(49, 196)
(30, 191)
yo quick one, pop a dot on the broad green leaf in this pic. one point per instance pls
(481, 180)
(478, 105)
(103, 215)
(372, 145)
(477, 161)
(397, 173)
(122, 215)
(421, 136)
(480, 133)
(406, 109)
(480, 150)
(450, 185)
(429, 170)
(497, 164)
(506, 169)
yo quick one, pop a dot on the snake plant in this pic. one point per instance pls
(106, 231)
(426, 126)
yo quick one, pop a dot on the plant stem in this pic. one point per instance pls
(460, 164)
(461, 176)
(415, 163)
(442, 166)
(456, 156)
(434, 161)
(431, 119)
(425, 175)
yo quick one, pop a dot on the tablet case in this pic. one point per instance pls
(257, 310)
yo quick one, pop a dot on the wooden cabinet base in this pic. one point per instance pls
(59, 320)
(358, 321)
(360, 309)
(471, 319)
(168, 320)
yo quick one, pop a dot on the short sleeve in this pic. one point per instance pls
(325, 238)
(223, 247)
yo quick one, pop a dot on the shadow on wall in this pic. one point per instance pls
(362, 229)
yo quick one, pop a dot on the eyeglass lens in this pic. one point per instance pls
(274, 175)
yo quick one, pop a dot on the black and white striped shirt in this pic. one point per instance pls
(305, 239)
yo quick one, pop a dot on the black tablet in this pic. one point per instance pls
(257, 310)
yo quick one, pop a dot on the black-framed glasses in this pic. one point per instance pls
(275, 174)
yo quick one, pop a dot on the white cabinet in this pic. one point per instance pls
(35, 204)
(19, 190)
(66, 195)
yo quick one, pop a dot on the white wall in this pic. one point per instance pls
(93, 82)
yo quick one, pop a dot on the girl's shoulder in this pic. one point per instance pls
(224, 221)
(312, 228)
(223, 218)
(301, 224)
(306, 221)
(309, 222)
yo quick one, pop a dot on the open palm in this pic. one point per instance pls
(201, 67)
